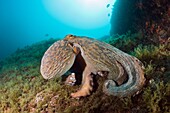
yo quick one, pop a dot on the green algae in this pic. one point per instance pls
(155, 97)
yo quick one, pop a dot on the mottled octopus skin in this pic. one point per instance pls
(103, 57)
(57, 60)
(98, 56)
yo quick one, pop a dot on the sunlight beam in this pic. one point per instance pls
(84, 14)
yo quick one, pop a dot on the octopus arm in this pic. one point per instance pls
(134, 69)
(132, 66)
(134, 83)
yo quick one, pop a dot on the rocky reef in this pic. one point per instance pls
(24, 90)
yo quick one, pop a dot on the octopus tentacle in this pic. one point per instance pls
(87, 80)
(135, 81)
(86, 84)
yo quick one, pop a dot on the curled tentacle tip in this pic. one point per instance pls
(109, 83)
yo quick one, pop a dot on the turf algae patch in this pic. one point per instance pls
(156, 97)
(126, 42)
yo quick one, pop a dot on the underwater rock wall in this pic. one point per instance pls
(150, 16)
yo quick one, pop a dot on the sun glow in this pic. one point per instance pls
(92, 4)
(84, 14)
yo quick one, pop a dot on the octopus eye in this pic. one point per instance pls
(69, 37)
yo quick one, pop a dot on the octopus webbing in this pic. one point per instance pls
(125, 75)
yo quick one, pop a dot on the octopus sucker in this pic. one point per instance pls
(124, 72)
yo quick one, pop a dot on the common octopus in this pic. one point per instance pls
(125, 74)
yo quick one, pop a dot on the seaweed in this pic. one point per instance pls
(126, 42)
(155, 97)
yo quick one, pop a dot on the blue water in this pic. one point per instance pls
(23, 22)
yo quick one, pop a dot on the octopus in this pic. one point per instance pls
(125, 75)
